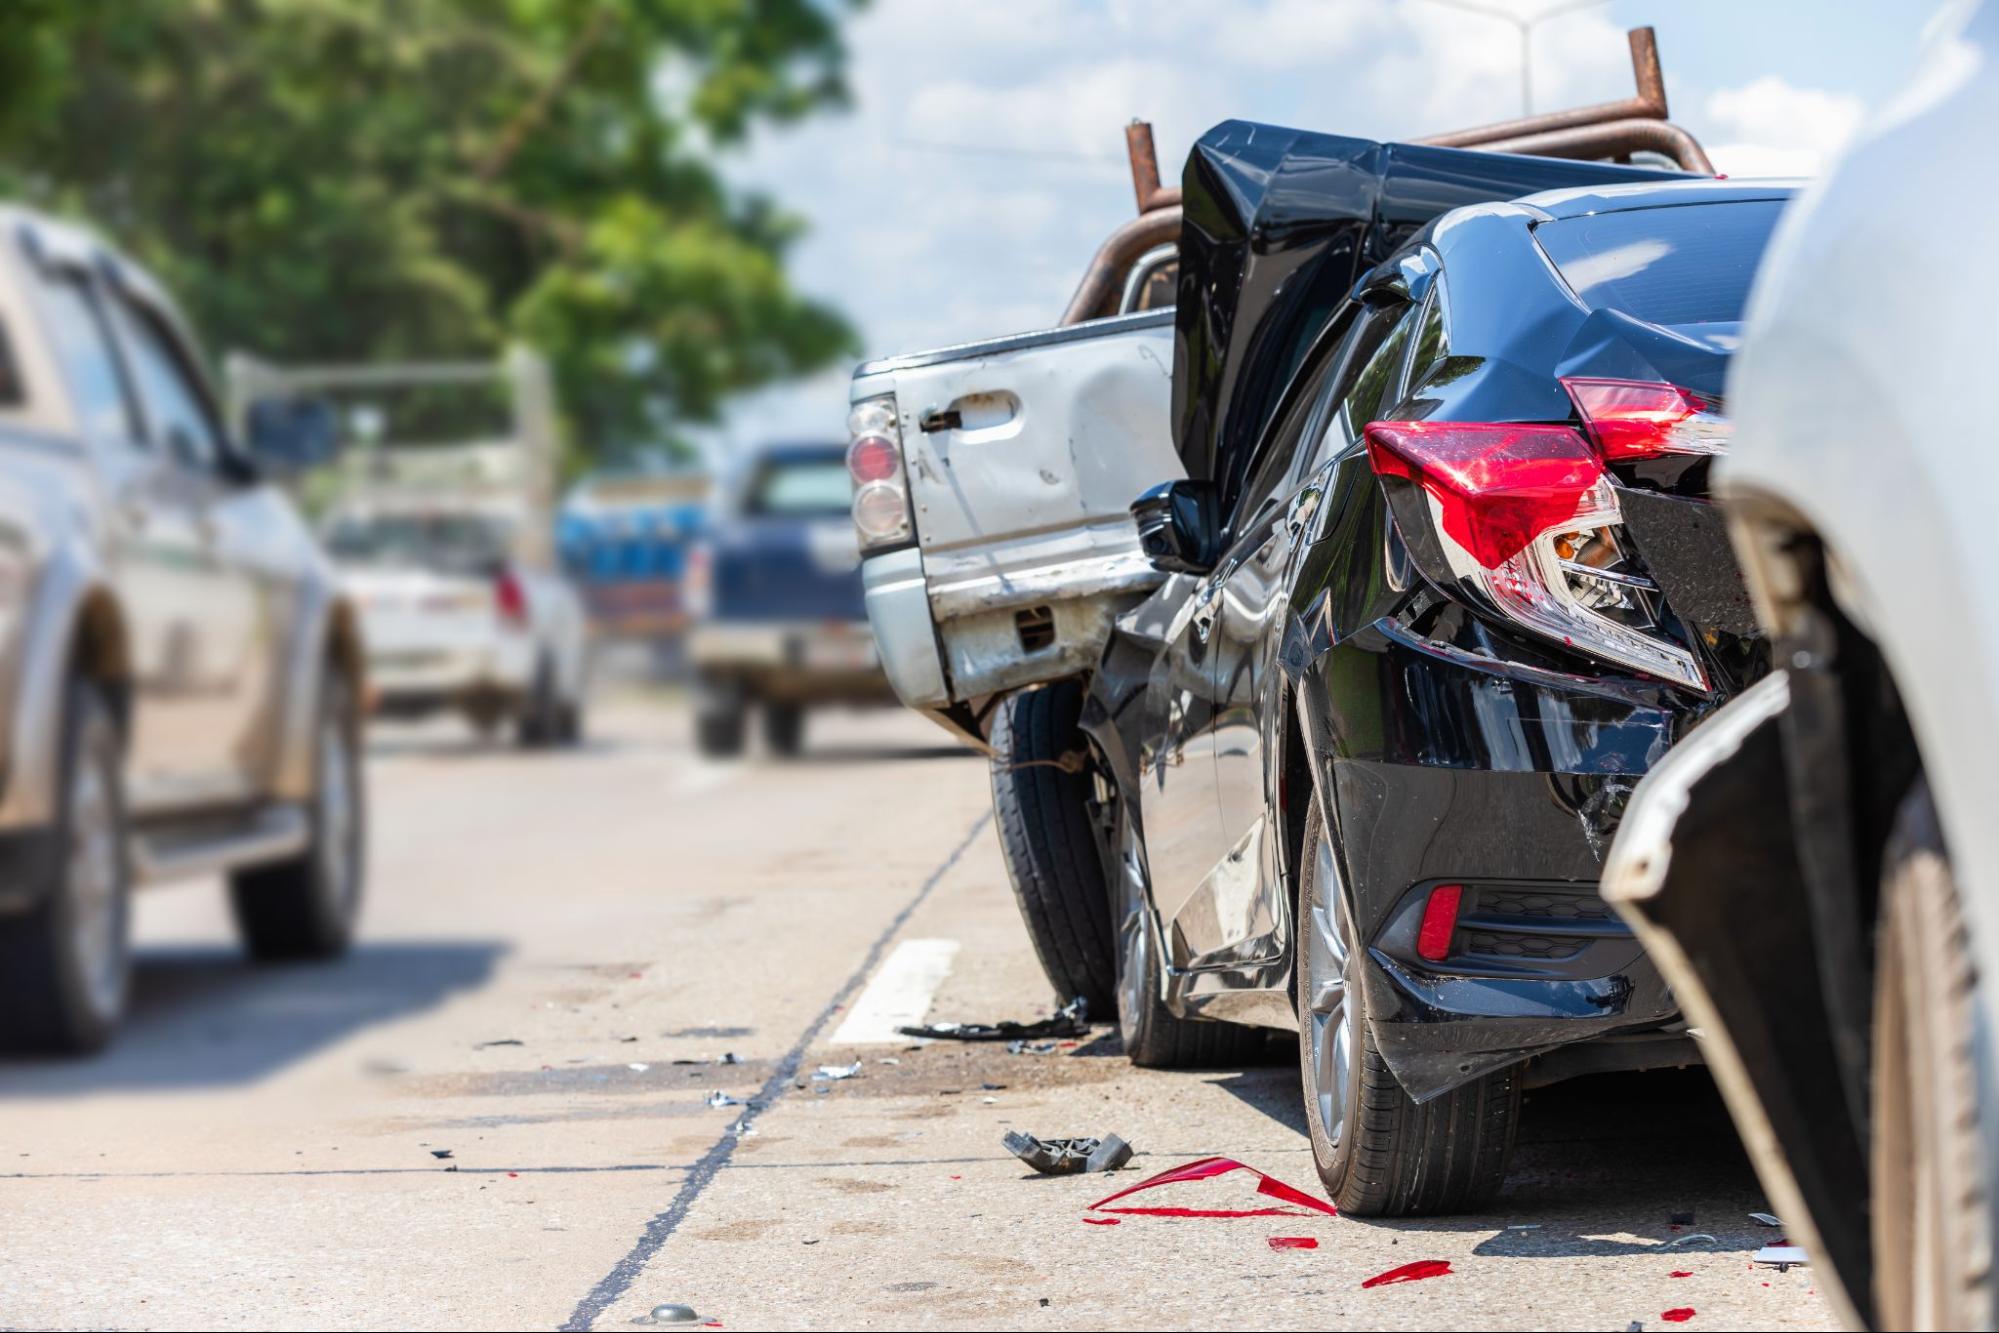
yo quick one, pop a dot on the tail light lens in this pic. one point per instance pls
(1640, 419)
(510, 599)
(1526, 515)
(874, 460)
(697, 583)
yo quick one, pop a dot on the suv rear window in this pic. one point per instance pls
(1678, 264)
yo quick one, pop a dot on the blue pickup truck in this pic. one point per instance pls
(775, 589)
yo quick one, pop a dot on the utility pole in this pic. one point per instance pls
(1525, 25)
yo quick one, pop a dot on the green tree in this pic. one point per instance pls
(364, 179)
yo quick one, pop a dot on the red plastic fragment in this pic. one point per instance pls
(1415, 1272)
(1204, 1169)
(1679, 1316)
(1294, 1242)
(1103, 1221)
(1680, 1273)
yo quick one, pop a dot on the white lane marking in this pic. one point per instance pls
(899, 994)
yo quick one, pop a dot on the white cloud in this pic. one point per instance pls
(1770, 127)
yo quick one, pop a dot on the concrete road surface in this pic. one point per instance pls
(497, 1112)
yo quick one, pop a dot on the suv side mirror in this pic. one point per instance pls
(292, 435)
(1179, 526)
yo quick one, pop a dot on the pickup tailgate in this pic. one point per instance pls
(1021, 456)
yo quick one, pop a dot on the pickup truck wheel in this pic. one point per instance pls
(1932, 1225)
(66, 966)
(1154, 1036)
(720, 711)
(1041, 801)
(784, 729)
(1378, 1153)
(306, 907)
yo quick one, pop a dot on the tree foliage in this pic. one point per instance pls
(369, 179)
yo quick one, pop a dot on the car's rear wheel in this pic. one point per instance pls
(1041, 802)
(720, 714)
(784, 729)
(66, 966)
(1932, 1226)
(1154, 1036)
(307, 906)
(540, 720)
(1378, 1152)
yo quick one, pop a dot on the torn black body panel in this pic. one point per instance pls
(1278, 225)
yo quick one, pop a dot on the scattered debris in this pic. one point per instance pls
(720, 1098)
(1104, 1221)
(503, 1041)
(834, 1073)
(1679, 1272)
(1783, 1256)
(1061, 1157)
(1679, 1316)
(728, 1058)
(1765, 1219)
(1071, 1020)
(638, 1066)
(1206, 1168)
(1410, 1272)
(887, 1060)
(1294, 1242)
(1031, 1048)
(441, 1154)
(1690, 1238)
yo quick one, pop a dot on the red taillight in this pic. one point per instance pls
(1440, 922)
(871, 458)
(510, 598)
(1646, 419)
(1497, 486)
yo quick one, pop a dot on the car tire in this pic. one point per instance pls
(539, 722)
(1378, 1152)
(720, 714)
(307, 906)
(1154, 1036)
(1041, 804)
(569, 723)
(1932, 1226)
(784, 729)
(65, 967)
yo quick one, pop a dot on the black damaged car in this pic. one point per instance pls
(1444, 584)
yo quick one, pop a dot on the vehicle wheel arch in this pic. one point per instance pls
(100, 651)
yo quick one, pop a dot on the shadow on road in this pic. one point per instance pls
(207, 1017)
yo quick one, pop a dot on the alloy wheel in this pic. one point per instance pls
(1330, 1024)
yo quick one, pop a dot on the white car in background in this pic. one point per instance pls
(1816, 868)
(458, 617)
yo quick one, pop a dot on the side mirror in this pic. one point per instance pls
(1179, 526)
(293, 435)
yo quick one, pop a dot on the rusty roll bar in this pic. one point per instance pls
(1649, 104)
(1144, 157)
(1116, 255)
(1615, 138)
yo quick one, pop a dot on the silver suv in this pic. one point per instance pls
(180, 679)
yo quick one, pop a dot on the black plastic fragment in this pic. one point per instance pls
(1063, 1157)
(1071, 1020)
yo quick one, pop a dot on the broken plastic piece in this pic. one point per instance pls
(834, 1073)
(1061, 1157)
(1783, 1256)
(1765, 1219)
(1412, 1272)
(1294, 1242)
(1679, 1316)
(1204, 1169)
(720, 1098)
(1030, 1048)
(1690, 1238)
(1679, 1272)
(1071, 1020)
(1104, 1221)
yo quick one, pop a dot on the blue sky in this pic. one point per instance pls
(982, 161)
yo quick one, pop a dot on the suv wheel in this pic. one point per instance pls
(784, 729)
(66, 966)
(720, 709)
(539, 722)
(306, 907)
(1932, 1226)
(1380, 1154)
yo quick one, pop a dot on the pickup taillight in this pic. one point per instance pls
(874, 460)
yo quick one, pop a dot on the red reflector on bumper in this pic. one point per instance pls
(1440, 921)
